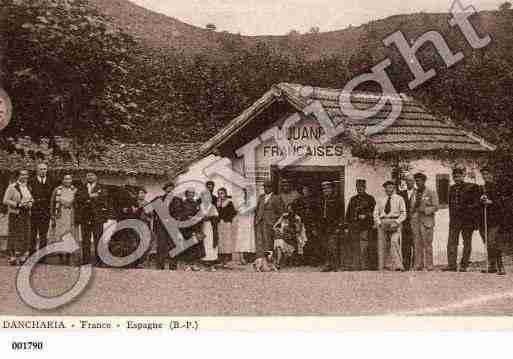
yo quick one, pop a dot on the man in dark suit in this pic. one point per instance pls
(332, 220)
(359, 220)
(464, 216)
(41, 189)
(269, 208)
(174, 206)
(407, 235)
(92, 214)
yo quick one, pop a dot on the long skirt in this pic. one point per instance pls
(226, 245)
(208, 242)
(245, 234)
(19, 232)
(64, 224)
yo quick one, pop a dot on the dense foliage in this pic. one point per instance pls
(70, 72)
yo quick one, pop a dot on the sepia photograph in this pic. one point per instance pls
(166, 162)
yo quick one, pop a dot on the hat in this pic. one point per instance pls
(168, 184)
(420, 175)
(389, 182)
(326, 184)
(131, 173)
(360, 181)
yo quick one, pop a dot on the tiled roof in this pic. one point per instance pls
(416, 129)
(150, 159)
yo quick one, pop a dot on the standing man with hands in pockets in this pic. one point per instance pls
(423, 206)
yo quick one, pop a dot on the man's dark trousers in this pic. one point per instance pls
(407, 245)
(95, 229)
(40, 222)
(455, 228)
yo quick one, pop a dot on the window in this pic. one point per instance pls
(442, 189)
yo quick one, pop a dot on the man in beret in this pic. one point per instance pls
(359, 218)
(423, 207)
(389, 213)
(464, 214)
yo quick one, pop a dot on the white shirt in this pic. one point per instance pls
(90, 187)
(25, 193)
(397, 209)
(267, 197)
(42, 179)
(410, 192)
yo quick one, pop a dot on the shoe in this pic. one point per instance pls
(449, 269)
(489, 270)
(463, 269)
(327, 269)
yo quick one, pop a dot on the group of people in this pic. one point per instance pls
(41, 211)
(288, 228)
(401, 220)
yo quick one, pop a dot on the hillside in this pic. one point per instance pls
(207, 78)
(164, 33)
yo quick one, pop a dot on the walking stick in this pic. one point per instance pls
(486, 236)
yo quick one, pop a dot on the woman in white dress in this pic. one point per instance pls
(210, 241)
(245, 232)
(62, 212)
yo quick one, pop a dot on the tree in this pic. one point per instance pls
(505, 6)
(65, 70)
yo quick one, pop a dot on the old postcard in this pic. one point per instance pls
(176, 166)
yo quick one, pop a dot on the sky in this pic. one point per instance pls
(278, 17)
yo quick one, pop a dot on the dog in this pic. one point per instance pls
(265, 264)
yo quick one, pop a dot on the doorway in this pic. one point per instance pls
(310, 176)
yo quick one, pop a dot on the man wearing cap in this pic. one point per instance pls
(359, 218)
(464, 214)
(332, 219)
(423, 206)
(269, 209)
(492, 201)
(389, 213)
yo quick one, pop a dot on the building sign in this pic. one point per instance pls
(303, 141)
(5, 109)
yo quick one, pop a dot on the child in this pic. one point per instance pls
(290, 235)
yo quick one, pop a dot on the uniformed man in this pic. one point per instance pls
(359, 219)
(331, 224)
(464, 214)
(492, 202)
